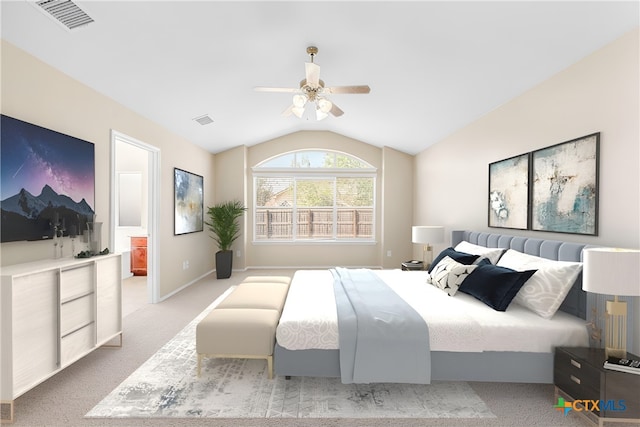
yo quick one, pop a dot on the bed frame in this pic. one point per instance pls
(456, 366)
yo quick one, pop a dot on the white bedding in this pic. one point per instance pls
(460, 323)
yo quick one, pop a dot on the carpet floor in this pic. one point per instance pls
(166, 385)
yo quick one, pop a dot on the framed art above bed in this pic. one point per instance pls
(551, 189)
(564, 187)
(508, 192)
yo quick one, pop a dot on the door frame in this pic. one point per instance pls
(153, 220)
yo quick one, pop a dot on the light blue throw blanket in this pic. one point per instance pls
(382, 338)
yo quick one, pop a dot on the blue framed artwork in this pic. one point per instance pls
(508, 192)
(47, 182)
(188, 202)
(564, 192)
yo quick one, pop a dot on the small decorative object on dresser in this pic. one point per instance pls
(600, 394)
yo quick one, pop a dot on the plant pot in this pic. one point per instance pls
(224, 264)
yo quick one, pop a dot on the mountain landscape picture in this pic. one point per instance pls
(47, 182)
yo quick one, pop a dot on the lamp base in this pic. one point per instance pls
(427, 256)
(615, 336)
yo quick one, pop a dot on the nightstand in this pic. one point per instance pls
(412, 266)
(578, 374)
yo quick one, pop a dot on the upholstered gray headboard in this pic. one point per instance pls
(576, 301)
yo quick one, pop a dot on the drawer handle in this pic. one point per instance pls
(575, 379)
(576, 364)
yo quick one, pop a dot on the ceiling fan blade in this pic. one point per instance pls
(312, 73)
(348, 89)
(276, 89)
(336, 111)
(288, 111)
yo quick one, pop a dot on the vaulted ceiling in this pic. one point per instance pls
(433, 67)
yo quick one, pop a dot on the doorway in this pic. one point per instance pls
(134, 212)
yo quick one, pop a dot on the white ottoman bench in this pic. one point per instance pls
(243, 333)
(244, 324)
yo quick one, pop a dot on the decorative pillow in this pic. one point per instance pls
(449, 274)
(461, 257)
(495, 286)
(492, 254)
(544, 291)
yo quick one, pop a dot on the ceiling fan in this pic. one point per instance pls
(313, 91)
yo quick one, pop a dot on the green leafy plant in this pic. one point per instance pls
(223, 222)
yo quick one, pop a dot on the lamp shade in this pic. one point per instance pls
(611, 271)
(425, 234)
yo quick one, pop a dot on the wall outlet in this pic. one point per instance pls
(185, 265)
(389, 253)
(238, 254)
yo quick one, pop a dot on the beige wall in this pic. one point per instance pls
(37, 93)
(326, 255)
(230, 184)
(397, 205)
(598, 94)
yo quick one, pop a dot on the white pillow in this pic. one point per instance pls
(547, 288)
(449, 274)
(492, 254)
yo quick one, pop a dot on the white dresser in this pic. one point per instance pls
(52, 313)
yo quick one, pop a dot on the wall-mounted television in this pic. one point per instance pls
(47, 182)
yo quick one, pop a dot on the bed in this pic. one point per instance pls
(468, 340)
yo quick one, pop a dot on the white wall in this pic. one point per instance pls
(131, 159)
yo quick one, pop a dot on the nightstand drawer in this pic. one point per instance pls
(578, 379)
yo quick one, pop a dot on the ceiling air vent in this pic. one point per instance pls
(204, 120)
(64, 12)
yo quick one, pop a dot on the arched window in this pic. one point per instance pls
(314, 196)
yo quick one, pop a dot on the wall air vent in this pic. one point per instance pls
(204, 120)
(65, 12)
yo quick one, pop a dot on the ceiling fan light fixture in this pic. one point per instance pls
(312, 90)
(320, 115)
(299, 100)
(324, 105)
(298, 111)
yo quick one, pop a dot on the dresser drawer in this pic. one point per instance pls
(75, 314)
(76, 281)
(77, 344)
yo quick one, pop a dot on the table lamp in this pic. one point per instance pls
(426, 235)
(616, 272)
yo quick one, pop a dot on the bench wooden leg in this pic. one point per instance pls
(270, 366)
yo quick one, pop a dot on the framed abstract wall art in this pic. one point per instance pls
(188, 202)
(509, 192)
(47, 182)
(564, 192)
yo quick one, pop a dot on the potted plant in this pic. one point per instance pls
(225, 227)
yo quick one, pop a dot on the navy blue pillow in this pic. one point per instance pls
(495, 286)
(461, 257)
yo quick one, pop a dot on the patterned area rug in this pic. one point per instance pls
(166, 385)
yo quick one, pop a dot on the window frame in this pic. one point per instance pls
(318, 173)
